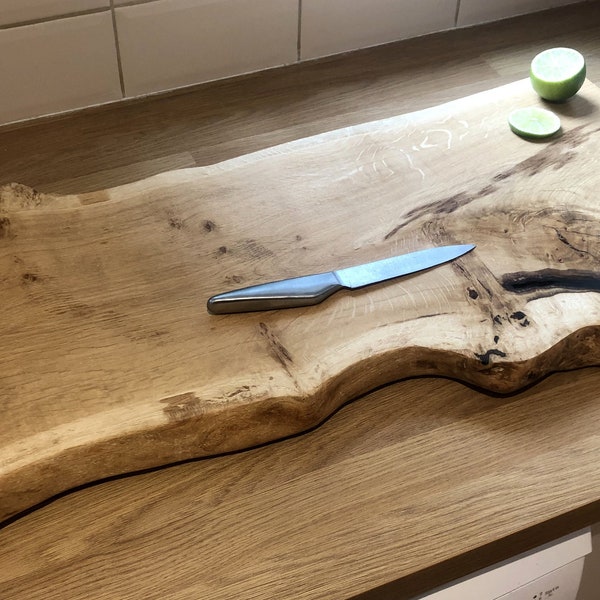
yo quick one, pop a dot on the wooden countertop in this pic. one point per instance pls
(395, 486)
(399, 491)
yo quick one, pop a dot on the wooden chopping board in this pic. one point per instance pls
(110, 362)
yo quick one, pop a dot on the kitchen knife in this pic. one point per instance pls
(312, 289)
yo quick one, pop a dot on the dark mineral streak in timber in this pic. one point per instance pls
(485, 359)
(551, 280)
(519, 315)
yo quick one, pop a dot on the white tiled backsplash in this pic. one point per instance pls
(59, 55)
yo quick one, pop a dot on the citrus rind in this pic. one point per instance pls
(557, 74)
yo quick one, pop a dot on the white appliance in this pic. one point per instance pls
(550, 572)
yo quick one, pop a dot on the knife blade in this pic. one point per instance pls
(313, 289)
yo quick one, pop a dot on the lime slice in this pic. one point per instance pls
(533, 122)
(557, 74)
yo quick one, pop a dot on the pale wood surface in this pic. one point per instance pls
(334, 512)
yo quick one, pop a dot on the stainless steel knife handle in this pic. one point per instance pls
(287, 293)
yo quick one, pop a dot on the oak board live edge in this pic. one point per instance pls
(112, 364)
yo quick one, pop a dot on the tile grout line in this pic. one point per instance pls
(456, 13)
(81, 13)
(117, 47)
(137, 2)
(299, 43)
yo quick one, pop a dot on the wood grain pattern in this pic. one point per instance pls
(172, 533)
(437, 471)
(115, 365)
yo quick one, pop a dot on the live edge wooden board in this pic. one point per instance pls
(110, 363)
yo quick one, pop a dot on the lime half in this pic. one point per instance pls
(534, 122)
(557, 74)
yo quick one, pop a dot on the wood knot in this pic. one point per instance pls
(5, 228)
(182, 407)
(30, 278)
